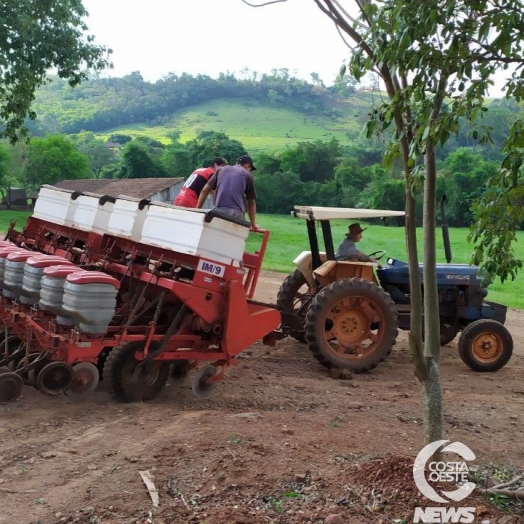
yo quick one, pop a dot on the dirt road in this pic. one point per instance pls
(279, 441)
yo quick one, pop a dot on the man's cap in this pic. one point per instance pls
(355, 229)
(219, 160)
(246, 159)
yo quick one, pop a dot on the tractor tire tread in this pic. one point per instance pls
(288, 289)
(322, 301)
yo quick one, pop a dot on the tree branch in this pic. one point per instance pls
(265, 3)
(334, 15)
(510, 493)
(507, 484)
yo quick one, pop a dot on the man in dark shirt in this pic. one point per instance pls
(347, 249)
(188, 196)
(235, 187)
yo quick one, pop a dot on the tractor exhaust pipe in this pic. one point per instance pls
(445, 230)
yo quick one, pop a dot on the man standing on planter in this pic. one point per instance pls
(235, 190)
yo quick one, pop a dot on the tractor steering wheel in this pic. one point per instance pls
(377, 255)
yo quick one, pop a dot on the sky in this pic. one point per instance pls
(157, 37)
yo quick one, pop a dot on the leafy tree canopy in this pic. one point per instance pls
(119, 138)
(34, 38)
(53, 159)
(313, 161)
(5, 158)
(137, 163)
(97, 151)
(210, 144)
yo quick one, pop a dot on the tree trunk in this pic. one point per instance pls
(432, 394)
(415, 331)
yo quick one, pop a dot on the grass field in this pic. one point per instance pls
(6, 217)
(258, 127)
(289, 237)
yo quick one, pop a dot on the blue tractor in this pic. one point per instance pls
(349, 313)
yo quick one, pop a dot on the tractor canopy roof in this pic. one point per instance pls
(335, 213)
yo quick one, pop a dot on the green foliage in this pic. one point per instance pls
(210, 144)
(119, 138)
(312, 161)
(138, 163)
(53, 159)
(500, 501)
(279, 192)
(100, 156)
(36, 37)
(5, 160)
(499, 213)
(465, 174)
(181, 159)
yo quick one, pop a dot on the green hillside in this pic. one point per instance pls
(259, 127)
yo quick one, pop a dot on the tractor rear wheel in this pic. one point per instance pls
(295, 295)
(352, 324)
(126, 385)
(485, 345)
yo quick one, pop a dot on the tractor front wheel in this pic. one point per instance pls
(485, 345)
(129, 384)
(352, 324)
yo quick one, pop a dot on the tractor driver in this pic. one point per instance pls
(347, 249)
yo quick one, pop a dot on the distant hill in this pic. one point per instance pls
(257, 126)
(270, 113)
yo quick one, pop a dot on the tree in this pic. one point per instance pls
(176, 159)
(465, 173)
(53, 159)
(312, 161)
(119, 138)
(36, 37)
(431, 56)
(267, 163)
(137, 163)
(5, 160)
(210, 144)
(99, 154)
(278, 192)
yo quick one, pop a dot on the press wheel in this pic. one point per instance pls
(85, 380)
(54, 378)
(124, 381)
(11, 386)
(202, 388)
